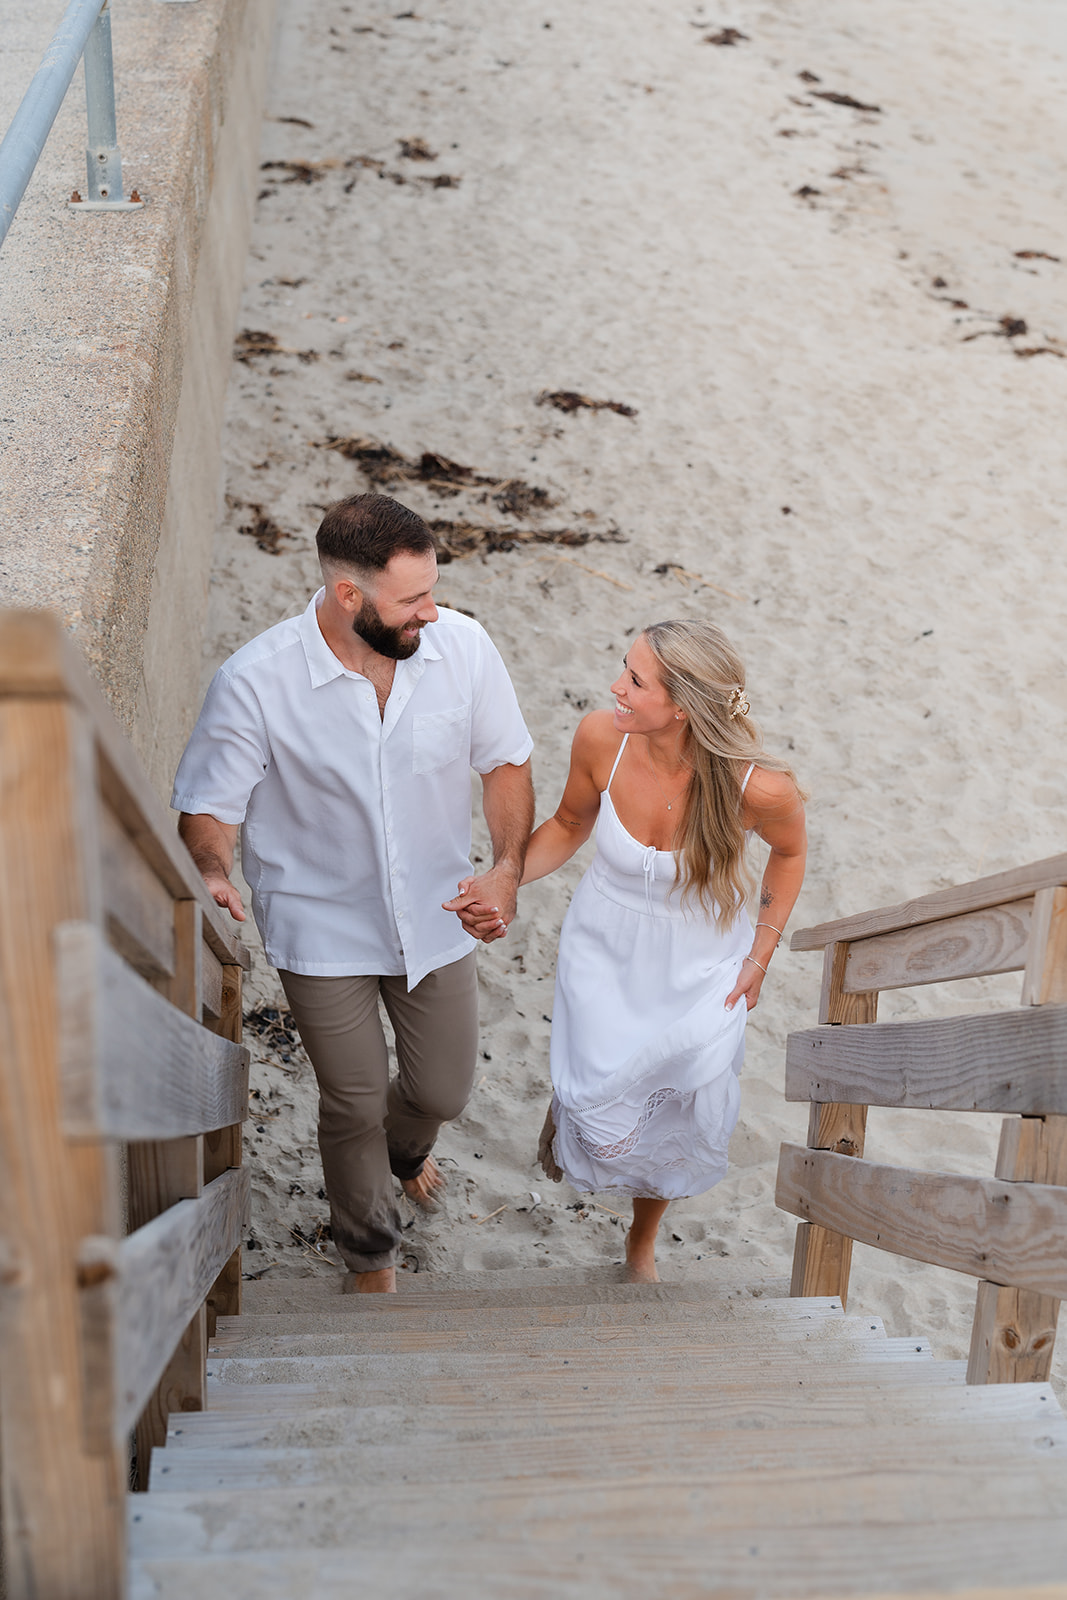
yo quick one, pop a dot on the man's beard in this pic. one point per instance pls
(388, 642)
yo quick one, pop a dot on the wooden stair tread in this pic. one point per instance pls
(659, 1504)
(618, 1452)
(662, 1337)
(337, 1316)
(876, 1402)
(990, 1560)
(519, 1287)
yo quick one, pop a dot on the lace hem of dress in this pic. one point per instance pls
(623, 1146)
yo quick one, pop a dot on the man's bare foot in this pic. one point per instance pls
(422, 1191)
(381, 1282)
(640, 1262)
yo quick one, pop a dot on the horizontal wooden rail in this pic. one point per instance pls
(1004, 1061)
(972, 945)
(139, 1295)
(1000, 889)
(1006, 1233)
(132, 1065)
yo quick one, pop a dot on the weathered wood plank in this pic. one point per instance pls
(1004, 1061)
(1014, 1331)
(212, 985)
(155, 1282)
(223, 1149)
(138, 908)
(48, 1192)
(1010, 1233)
(199, 1081)
(175, 1170)
(822, 1261)
(38, 659)
(1046, 965)
(971, 945)
(1000, 889)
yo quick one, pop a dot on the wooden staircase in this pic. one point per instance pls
(530, 1434)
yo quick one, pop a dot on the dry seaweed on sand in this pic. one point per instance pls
(1035, 255)
(254, 342)
(1008, 327)
(842, 100)
(383, 465)
(569, 401)
(725, 36)
(464, 538)
(301, 171)
(416, 150)
(264, 530)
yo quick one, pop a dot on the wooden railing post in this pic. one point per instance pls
(222, 1150)
(161, 1173)
(822, 1259)
(62, 1508)
(1014, 1332)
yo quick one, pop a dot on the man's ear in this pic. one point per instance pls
(347, 594)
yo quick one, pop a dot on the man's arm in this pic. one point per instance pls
(486, 905)
(211, 845)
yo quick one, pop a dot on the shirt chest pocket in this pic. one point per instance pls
(439, 738)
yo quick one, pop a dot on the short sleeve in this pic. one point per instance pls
(227, 754)
(499, 735)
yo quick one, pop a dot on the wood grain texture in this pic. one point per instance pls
(1003, 1061)
(835, 1005)
(163, 1274)
(49, 1193)
(109, 1019)
(968, 946)
(138, 908)
(37, 658)
(1046, 966)
(1014, 1331)
(224, 1149)
(1000, 889)
(1009, 1233)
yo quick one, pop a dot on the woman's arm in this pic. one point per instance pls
(774, 809)
(562, 834)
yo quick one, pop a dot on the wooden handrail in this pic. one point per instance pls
(1007, 1231)
(120, 1020)
(1001, 889)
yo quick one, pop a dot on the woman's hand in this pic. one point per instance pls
(749, 983)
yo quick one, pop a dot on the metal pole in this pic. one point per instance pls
(25, 139)
(103, 163)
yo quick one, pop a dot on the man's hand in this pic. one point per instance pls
(211, 845)
(225, 895)
(486, 905)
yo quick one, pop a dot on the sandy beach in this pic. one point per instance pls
(810, 263)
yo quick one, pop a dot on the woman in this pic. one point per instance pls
(656, 951)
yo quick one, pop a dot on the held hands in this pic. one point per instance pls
(486, 905)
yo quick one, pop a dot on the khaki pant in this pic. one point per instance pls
(371, 1129)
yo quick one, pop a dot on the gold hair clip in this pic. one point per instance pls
(738, 704)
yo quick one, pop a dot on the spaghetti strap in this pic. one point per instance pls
(618, 758)
(744, 780)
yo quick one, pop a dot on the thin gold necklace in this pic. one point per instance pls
(669, 803)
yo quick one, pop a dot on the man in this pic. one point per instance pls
(341, 743)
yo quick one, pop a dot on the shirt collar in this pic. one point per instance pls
(323, 665)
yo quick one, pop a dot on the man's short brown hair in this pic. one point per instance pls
(365, 531)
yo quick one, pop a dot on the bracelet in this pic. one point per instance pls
(779, 931)
(756, 963)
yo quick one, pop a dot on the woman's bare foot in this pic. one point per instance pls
(383, 1281)
(422, 1191)
(640, 1262)
(641, 1240)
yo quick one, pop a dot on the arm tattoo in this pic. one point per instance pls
(565, 822)
(766, 898)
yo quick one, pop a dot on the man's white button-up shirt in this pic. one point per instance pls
(354, 828)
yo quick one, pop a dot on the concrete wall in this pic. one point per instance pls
(115, 344)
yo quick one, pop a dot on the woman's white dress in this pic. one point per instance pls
(645, 1057)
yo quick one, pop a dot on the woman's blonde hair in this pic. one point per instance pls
(705, 677)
